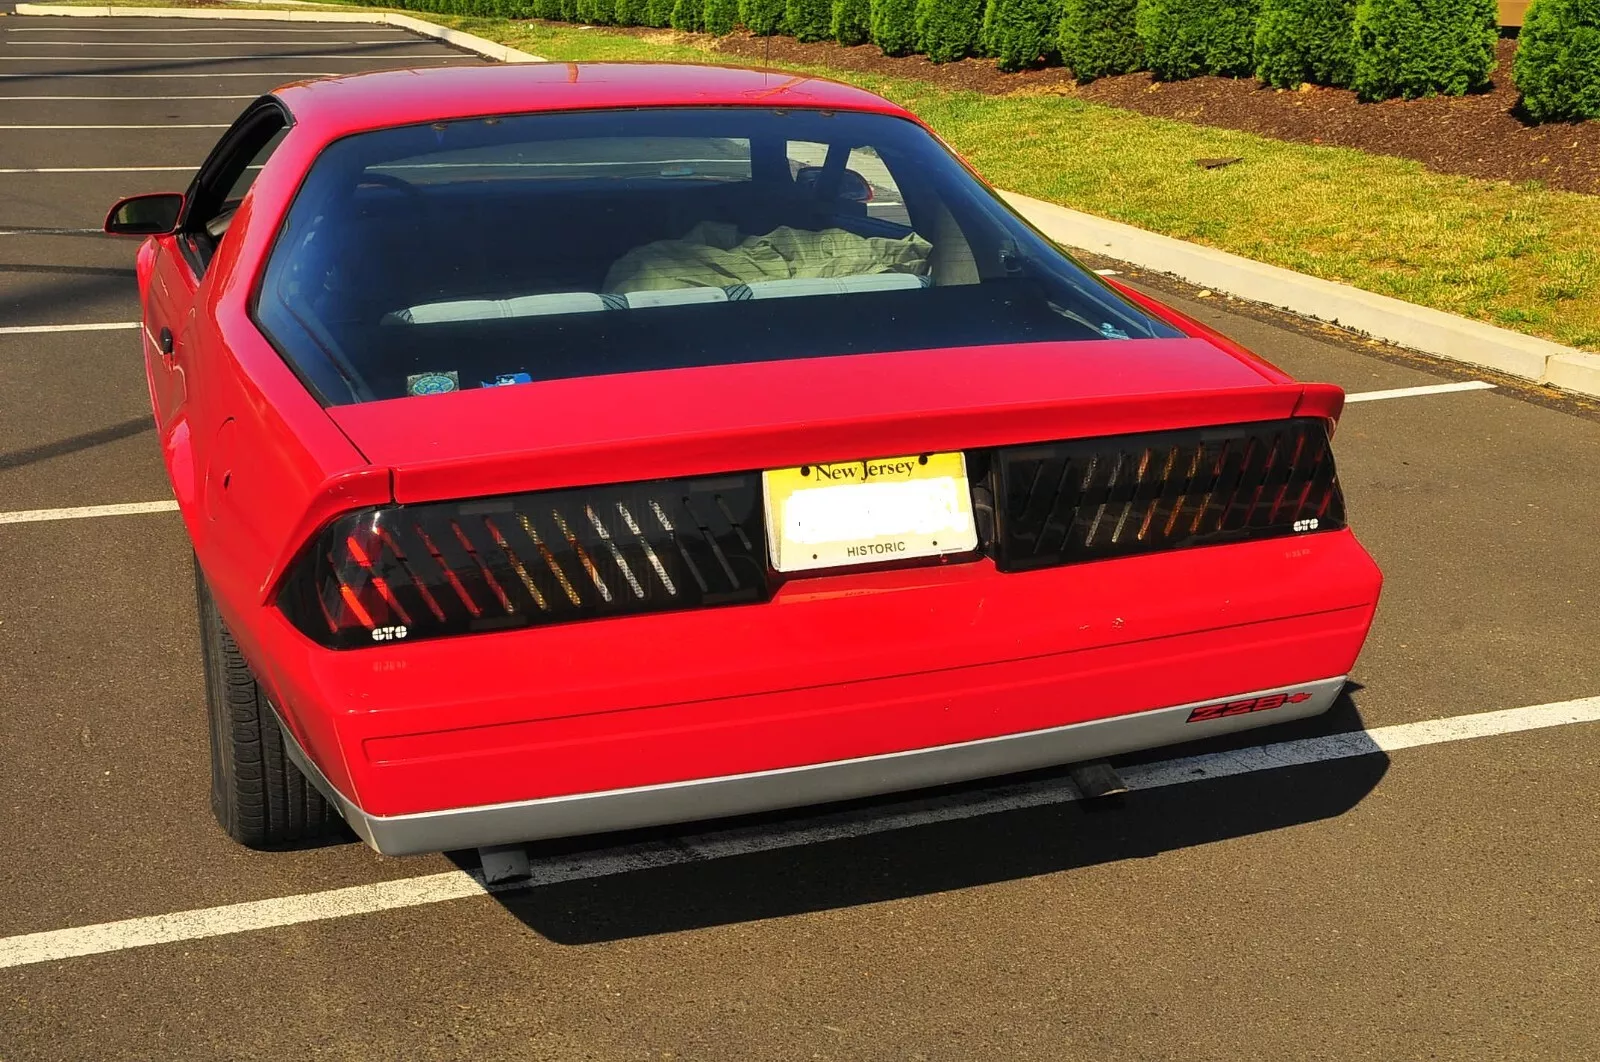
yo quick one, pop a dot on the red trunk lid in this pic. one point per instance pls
(682, 422)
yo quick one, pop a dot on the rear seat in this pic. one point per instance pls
(508, 245)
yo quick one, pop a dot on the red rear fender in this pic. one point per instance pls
(1201, 330)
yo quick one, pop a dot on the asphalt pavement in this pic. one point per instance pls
(1433, 902)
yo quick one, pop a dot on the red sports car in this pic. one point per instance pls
(574, 447)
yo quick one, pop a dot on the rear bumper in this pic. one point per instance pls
(840, 686)
(739, 794)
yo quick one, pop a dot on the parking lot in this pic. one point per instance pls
(1432, 891)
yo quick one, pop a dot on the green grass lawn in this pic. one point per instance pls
(1521, 256)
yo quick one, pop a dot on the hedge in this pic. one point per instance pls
(482, 8)
(762, 17)
(986, 29)
(852, 21)
(894, 26)
(1558, 60)
(1019, 33)
(687, 15)
(1306, 40)
(947, 30)
(1412, 48)
(809, 20)
(1381, 48)
(720, 16)
(1098, 38)
(1187, 38)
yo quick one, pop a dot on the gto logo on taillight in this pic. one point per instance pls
(1246, 706)
(388, 634)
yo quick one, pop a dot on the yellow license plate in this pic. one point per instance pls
(868, 512)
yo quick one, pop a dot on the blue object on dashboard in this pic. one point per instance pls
(506, 379)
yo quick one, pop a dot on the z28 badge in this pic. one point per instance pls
(1245, 706)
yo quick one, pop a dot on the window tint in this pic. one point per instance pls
(241, 184)
(599, 159)
(224, 179)
(492, 251)
(886, 201)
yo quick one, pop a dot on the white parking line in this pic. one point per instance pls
(1417, 392)
(190, 44)
(108, 326)
(104, 169)
(247, 96)
(164, 125)
(58, 944)
(47, 232)
(263, 73)
(190, 29)
(83, 512)
(221, 58)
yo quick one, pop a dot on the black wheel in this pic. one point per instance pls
(257, 793)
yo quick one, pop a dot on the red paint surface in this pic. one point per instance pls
(329, 108)
(834, 666)
(678, 422)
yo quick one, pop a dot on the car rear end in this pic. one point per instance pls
(665, 547)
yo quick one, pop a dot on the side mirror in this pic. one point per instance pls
(853, 188)
(154, 214)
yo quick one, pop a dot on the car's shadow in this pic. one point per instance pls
(692, 893)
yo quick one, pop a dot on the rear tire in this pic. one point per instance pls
(257, 793)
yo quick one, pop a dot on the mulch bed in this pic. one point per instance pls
(1478, 135)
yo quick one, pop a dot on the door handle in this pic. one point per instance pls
(166, 342)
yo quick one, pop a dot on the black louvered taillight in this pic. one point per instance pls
(1090, 499)
(420, 571)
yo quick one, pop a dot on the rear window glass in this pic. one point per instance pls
(488, 252)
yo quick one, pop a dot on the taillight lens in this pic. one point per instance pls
(420, 571)
(1090, 499)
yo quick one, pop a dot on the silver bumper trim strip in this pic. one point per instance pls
(820, 783)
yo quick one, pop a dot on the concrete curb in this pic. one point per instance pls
(1404, 324)
(466, 41)
(1578, 372)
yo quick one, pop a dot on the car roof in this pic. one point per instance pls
(338, 106)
